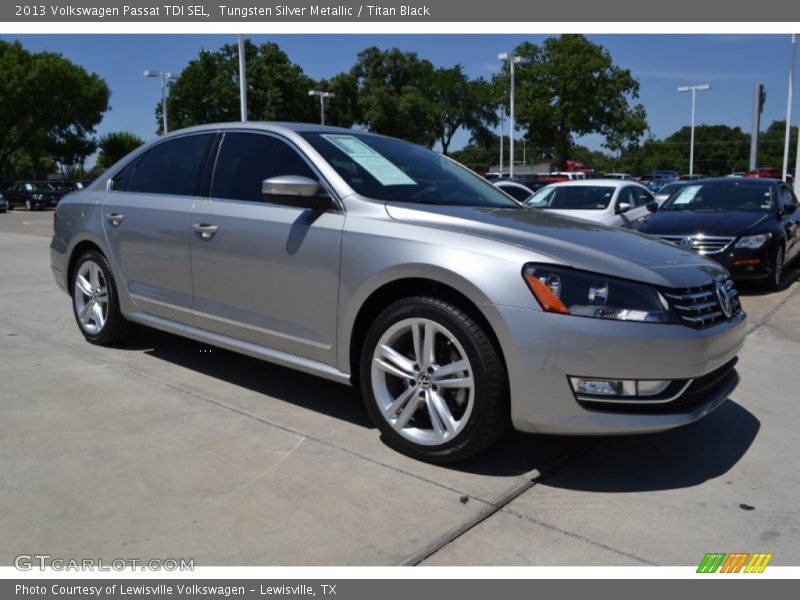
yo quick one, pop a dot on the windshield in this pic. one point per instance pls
(393, 170)
(39, 187)
(670, 188)
(722, 198)
(573, 197)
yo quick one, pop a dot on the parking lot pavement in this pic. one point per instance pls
(166, 447)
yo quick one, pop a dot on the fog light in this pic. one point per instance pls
(651, 387)
(619, 387)
(603, 387)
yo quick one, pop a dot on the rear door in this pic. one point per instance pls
(265, 273)
(147, 219)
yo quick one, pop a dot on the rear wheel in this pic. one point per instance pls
(433, 382)
(95, 302)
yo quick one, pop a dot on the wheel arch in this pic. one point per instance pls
(390, 291)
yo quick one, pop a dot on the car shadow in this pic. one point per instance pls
(677, 458)
(314, 393)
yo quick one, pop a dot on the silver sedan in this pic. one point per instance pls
(377, 263)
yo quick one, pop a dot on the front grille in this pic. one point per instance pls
(698, 392)
(699, 307)
(703, 244)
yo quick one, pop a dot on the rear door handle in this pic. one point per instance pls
(115, 218)
(206, 230)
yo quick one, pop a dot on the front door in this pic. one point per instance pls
(265, 273)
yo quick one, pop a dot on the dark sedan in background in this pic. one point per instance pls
(750, 226)
(33, 195)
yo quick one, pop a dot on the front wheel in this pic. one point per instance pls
(95, 302)
(433, 381)
(773, 282)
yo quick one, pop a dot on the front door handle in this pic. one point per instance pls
(206, 230)
(114, 218)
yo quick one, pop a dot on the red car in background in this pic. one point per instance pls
(768, 173)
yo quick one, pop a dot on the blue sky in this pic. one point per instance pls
(732, 64)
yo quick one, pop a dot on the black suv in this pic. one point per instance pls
(748, 225)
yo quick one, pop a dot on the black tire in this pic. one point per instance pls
(116, 328)
(490, 416)
(773, 282)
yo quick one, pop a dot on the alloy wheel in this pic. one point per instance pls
(422, 381)
(91, 297)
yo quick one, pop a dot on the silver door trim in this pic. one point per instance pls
(285, 359)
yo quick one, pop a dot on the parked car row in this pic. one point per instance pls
(749, 225)
(36, 195)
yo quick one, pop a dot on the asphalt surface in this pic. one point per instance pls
(167, 448)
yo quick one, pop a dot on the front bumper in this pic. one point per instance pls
(744, 264)
(545, 349)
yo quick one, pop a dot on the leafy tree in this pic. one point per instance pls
(571, 87)
(461, 103)
(207, 90)
(772, 141)
(48, 105)
(394, 95)
(115, 145)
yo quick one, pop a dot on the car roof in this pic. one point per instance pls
(765, 181)
(615, 183)
(274, 126)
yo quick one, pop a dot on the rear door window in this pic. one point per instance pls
(174, 167)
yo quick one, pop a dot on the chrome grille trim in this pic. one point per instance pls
(699, 307)
(703, 244)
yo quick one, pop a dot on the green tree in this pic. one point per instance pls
(479, 156)
(115, 145)
(207, 90)
(48, 105)
(394, 95)
(461, 103)
(771, 146)
(571, 87)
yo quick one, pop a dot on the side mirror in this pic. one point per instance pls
(789, 209)
(652, 206)
(623, 207)
(295, 190)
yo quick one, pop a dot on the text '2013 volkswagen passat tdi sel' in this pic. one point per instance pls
(372, 261)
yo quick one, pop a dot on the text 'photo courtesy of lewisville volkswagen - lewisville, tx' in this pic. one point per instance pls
(513, 299)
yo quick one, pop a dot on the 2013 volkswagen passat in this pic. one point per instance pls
(372, 261)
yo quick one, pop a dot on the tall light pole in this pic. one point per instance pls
(165, 77)
(502, 135)
(242, 81)
(511, 60)
(789, 109)
(694, 89)
(322, 96)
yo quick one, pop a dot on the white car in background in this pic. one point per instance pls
(608, 201)
(621, 176)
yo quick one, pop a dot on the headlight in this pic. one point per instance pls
(37, 197)
(753, 241)
(584, 294)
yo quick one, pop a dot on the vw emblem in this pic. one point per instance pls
(686, 242)
(724, 300)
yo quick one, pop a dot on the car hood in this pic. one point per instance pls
(577, 243)
(688, 222)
